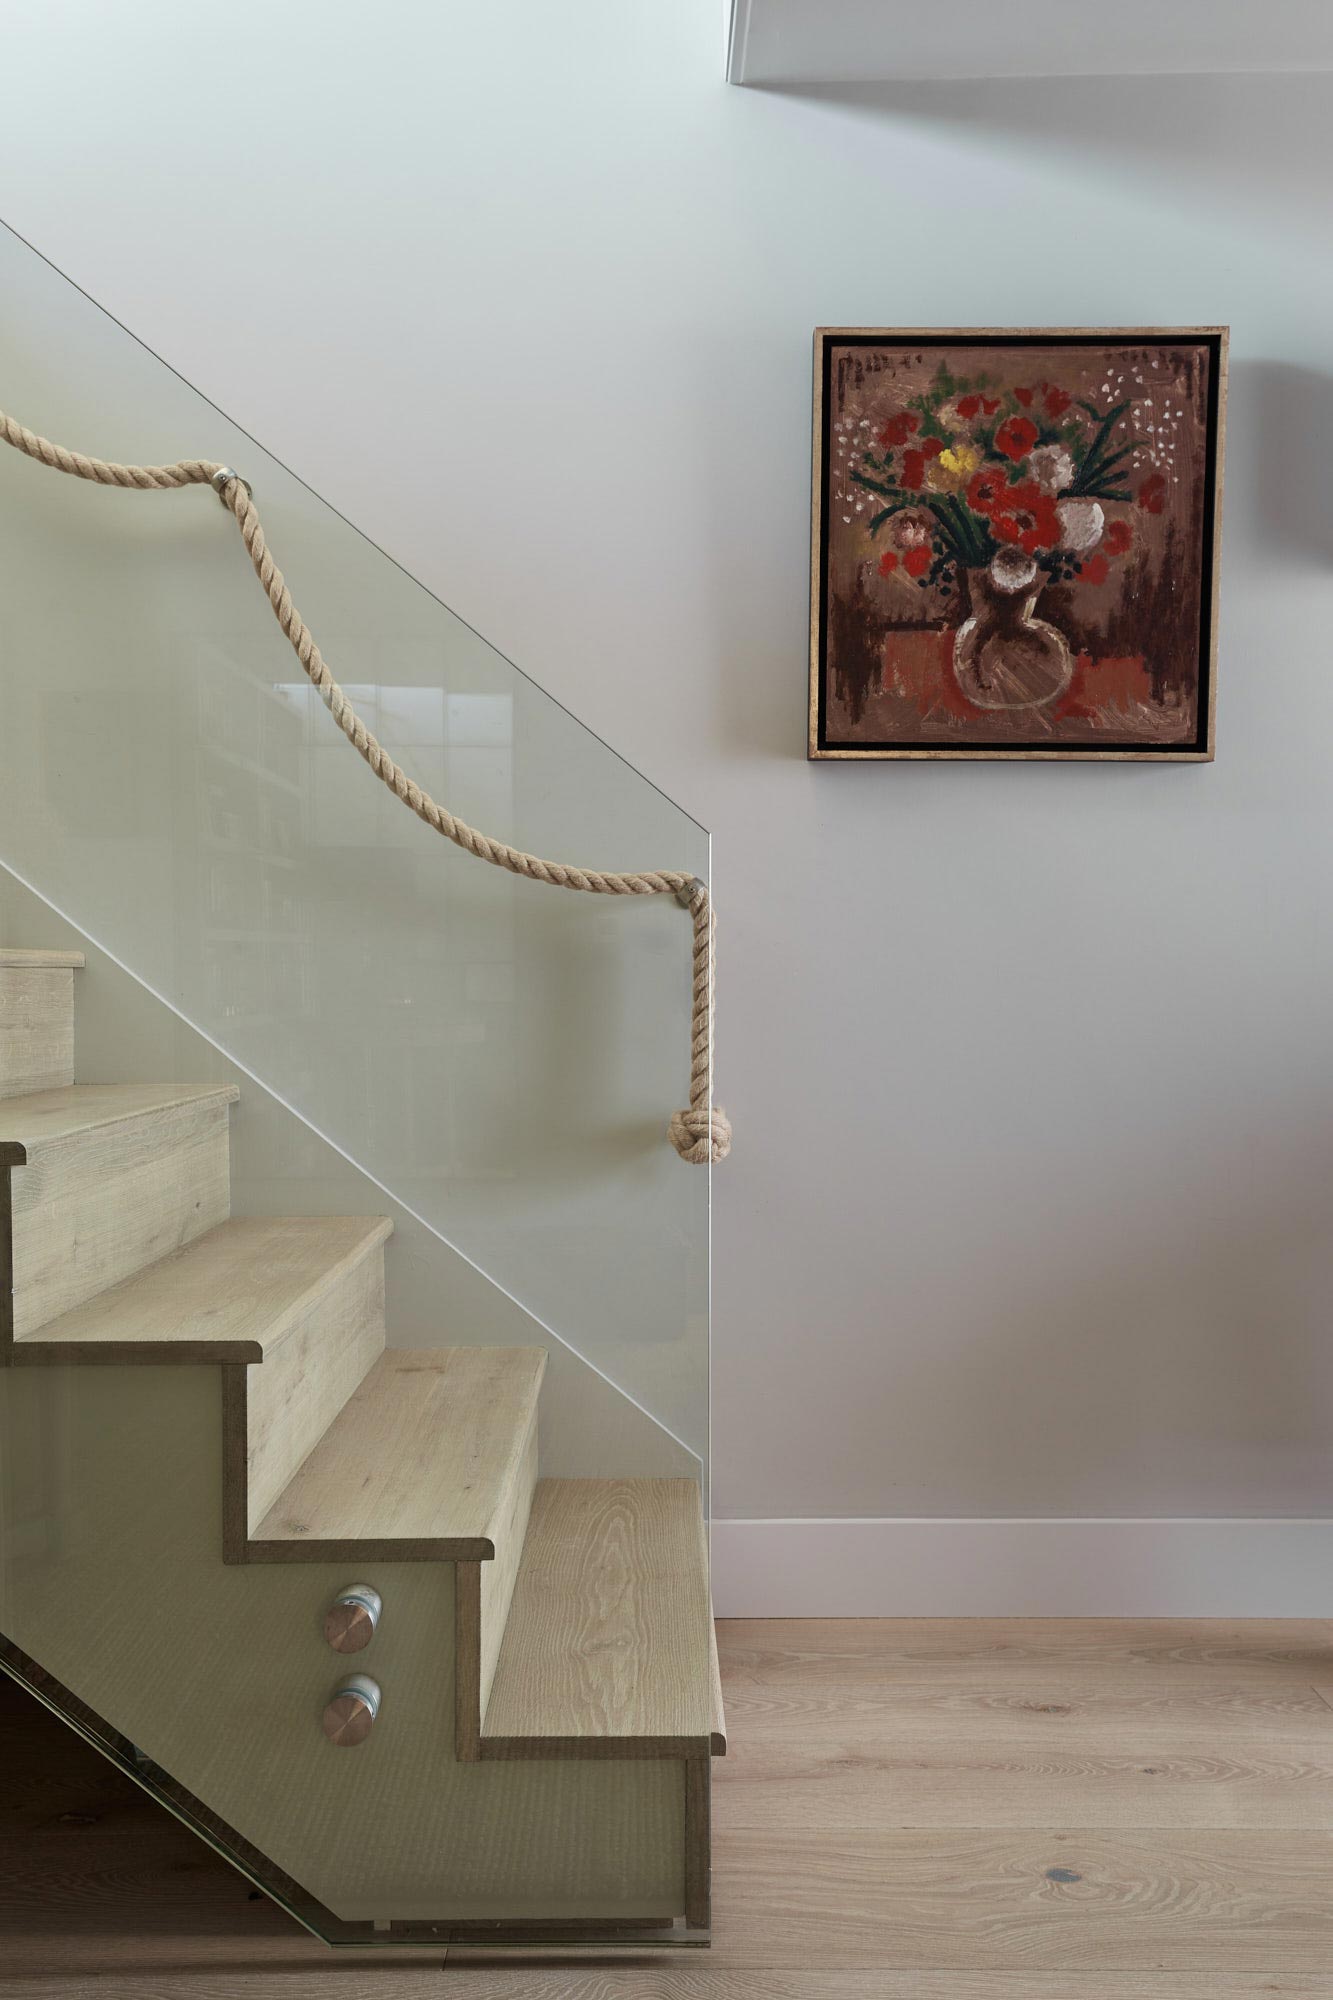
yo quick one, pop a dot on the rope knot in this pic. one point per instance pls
(702, 1137)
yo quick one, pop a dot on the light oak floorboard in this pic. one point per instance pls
(1042, 1708)
(963, 1652)
(1116, 1752)
(103, 1895)
(692, 1977)
(884, 1785)
(1017, 1900)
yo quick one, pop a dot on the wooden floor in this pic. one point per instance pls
(909, 1810)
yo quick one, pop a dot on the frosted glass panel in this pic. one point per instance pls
(502, 1056)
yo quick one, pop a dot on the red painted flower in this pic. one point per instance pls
(1027, 518)
(888, 563)
(1117, 538)
(898, 429)
(1096, 569)
(969, 407)
(990, 404)
(1152, 494)
(1057, 401)
(917, 561)
(913, 474)
(931, 447)
(1025, 397)
(1016, 437)
(986, 490)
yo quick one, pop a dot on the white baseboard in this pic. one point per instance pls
(1205, 1568)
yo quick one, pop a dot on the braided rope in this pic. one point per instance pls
(702, 1132)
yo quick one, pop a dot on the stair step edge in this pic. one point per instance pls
(607, 1649)
(29, 1124)
(399, 1475)
(20, 958)
(233, 1246)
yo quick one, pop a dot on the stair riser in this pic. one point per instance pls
(483, 1598)
(295, 1393)
(498, 1577)
(91, 1210)
(36, 1029)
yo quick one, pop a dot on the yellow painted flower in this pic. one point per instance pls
(953, 468)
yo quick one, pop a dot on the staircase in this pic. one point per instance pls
(207, 1443)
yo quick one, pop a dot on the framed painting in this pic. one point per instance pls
(1015, 542)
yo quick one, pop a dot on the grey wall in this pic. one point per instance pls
(1028, 1066)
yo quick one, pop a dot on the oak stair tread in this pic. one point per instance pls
(606, 1650)
(420, 1463)
(231, 1295)
(47, 1117)
(26, 960)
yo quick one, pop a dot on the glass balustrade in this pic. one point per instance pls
(501, 1055)
(487, 1059)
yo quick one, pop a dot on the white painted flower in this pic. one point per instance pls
(1081, 524)
(1052, 467)
(911, 531)
(1012, 570)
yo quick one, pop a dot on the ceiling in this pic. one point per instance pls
(799, 42)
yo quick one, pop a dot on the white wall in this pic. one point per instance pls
(1029, 1066)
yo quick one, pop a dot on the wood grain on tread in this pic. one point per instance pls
(234, 1294)
(30, 1126)
(420, 1463)
(26, 960)
(606, 1651)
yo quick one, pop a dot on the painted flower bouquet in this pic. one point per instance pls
(1013, 483)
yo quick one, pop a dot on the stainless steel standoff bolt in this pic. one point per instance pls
(350, 1716)
(351, 1619)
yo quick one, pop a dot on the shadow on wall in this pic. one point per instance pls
(1252, 137)
(1288, 426)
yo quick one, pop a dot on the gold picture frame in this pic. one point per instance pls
(1010, 444)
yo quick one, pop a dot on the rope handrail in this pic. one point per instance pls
(701, 1133)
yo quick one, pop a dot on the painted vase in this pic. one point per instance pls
(1003, 657)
